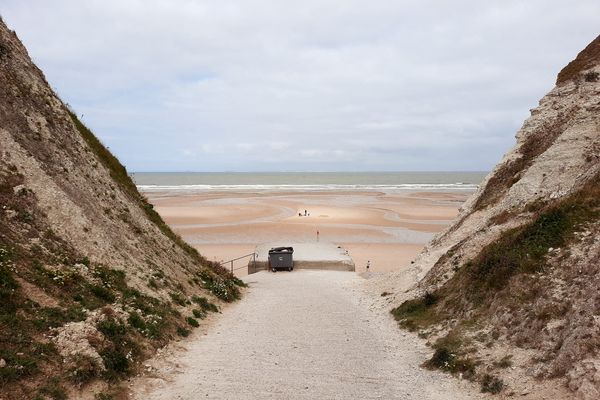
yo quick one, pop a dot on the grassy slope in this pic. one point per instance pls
(503, 276)
(119, 174)
(32, 366)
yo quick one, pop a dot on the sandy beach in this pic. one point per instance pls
(387, 229)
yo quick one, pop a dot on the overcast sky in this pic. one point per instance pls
(251, 85)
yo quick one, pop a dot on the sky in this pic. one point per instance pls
(281, 85)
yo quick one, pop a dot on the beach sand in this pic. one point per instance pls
(388, 230)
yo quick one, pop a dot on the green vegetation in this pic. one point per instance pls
(495, 276)
(192, 322)
(136, 321)
(68, 285)
(520, 250)
(491, 384)
(22, 320)
(205, 304)
(450, 356)
(417, 313)
(178, 298)
(102, 293)
(52, 317)
(524, 249)
(119, 351)
(83, 370)
(119, 174)
(54, 389)
(181, 331)
(587, 58)
(224, 289)
(18, 365)
(8, 284)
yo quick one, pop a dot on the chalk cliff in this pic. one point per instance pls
(92, 280)
(516, 277)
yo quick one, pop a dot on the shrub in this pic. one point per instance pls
(205, 304)
(116, 363)
(178, 298)
(491, 384)
(592, 76)
(52, 317)
(224, 289)
(83, 369)
(103, 293)
(193, 322)
(54, 389)
(85, 261)
(183, 332)
(446, 360)
(416, 313)
(112, 278)
(449, 357)
(17, 366)
(136, 321)
(25, 216)
(524, 249)
(111, 328)
(8, 287)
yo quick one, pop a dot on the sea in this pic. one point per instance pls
(307, 181)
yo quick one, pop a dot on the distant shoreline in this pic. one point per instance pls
(308, 181)
(308, 188)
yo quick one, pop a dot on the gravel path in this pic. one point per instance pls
(301, 335)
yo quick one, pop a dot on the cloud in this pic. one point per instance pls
(312, 85)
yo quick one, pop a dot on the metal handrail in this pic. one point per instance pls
(253, 255)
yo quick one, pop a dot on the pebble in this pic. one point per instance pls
(2, 363)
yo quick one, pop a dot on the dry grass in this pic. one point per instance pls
(505, 283)
(587, 58)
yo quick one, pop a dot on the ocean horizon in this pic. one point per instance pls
(308, 181)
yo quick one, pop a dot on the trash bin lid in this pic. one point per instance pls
(281, 250)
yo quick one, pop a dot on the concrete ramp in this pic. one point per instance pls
(316, 255)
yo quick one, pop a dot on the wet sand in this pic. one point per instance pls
(388, 230)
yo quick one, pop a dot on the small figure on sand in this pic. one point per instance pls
(368, 265)
(317, 235)
(305, 213)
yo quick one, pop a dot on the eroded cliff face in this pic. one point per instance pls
(518, 271)
(91, 279)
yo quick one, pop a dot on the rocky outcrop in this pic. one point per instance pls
(520, 265)
(80, 248)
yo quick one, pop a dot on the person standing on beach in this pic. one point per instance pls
(368, 265)
(317, 235)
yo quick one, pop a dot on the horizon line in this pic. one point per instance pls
(308, 172)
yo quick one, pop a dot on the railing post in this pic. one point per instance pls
(231, 266)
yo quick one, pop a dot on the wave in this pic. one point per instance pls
(324, 187)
